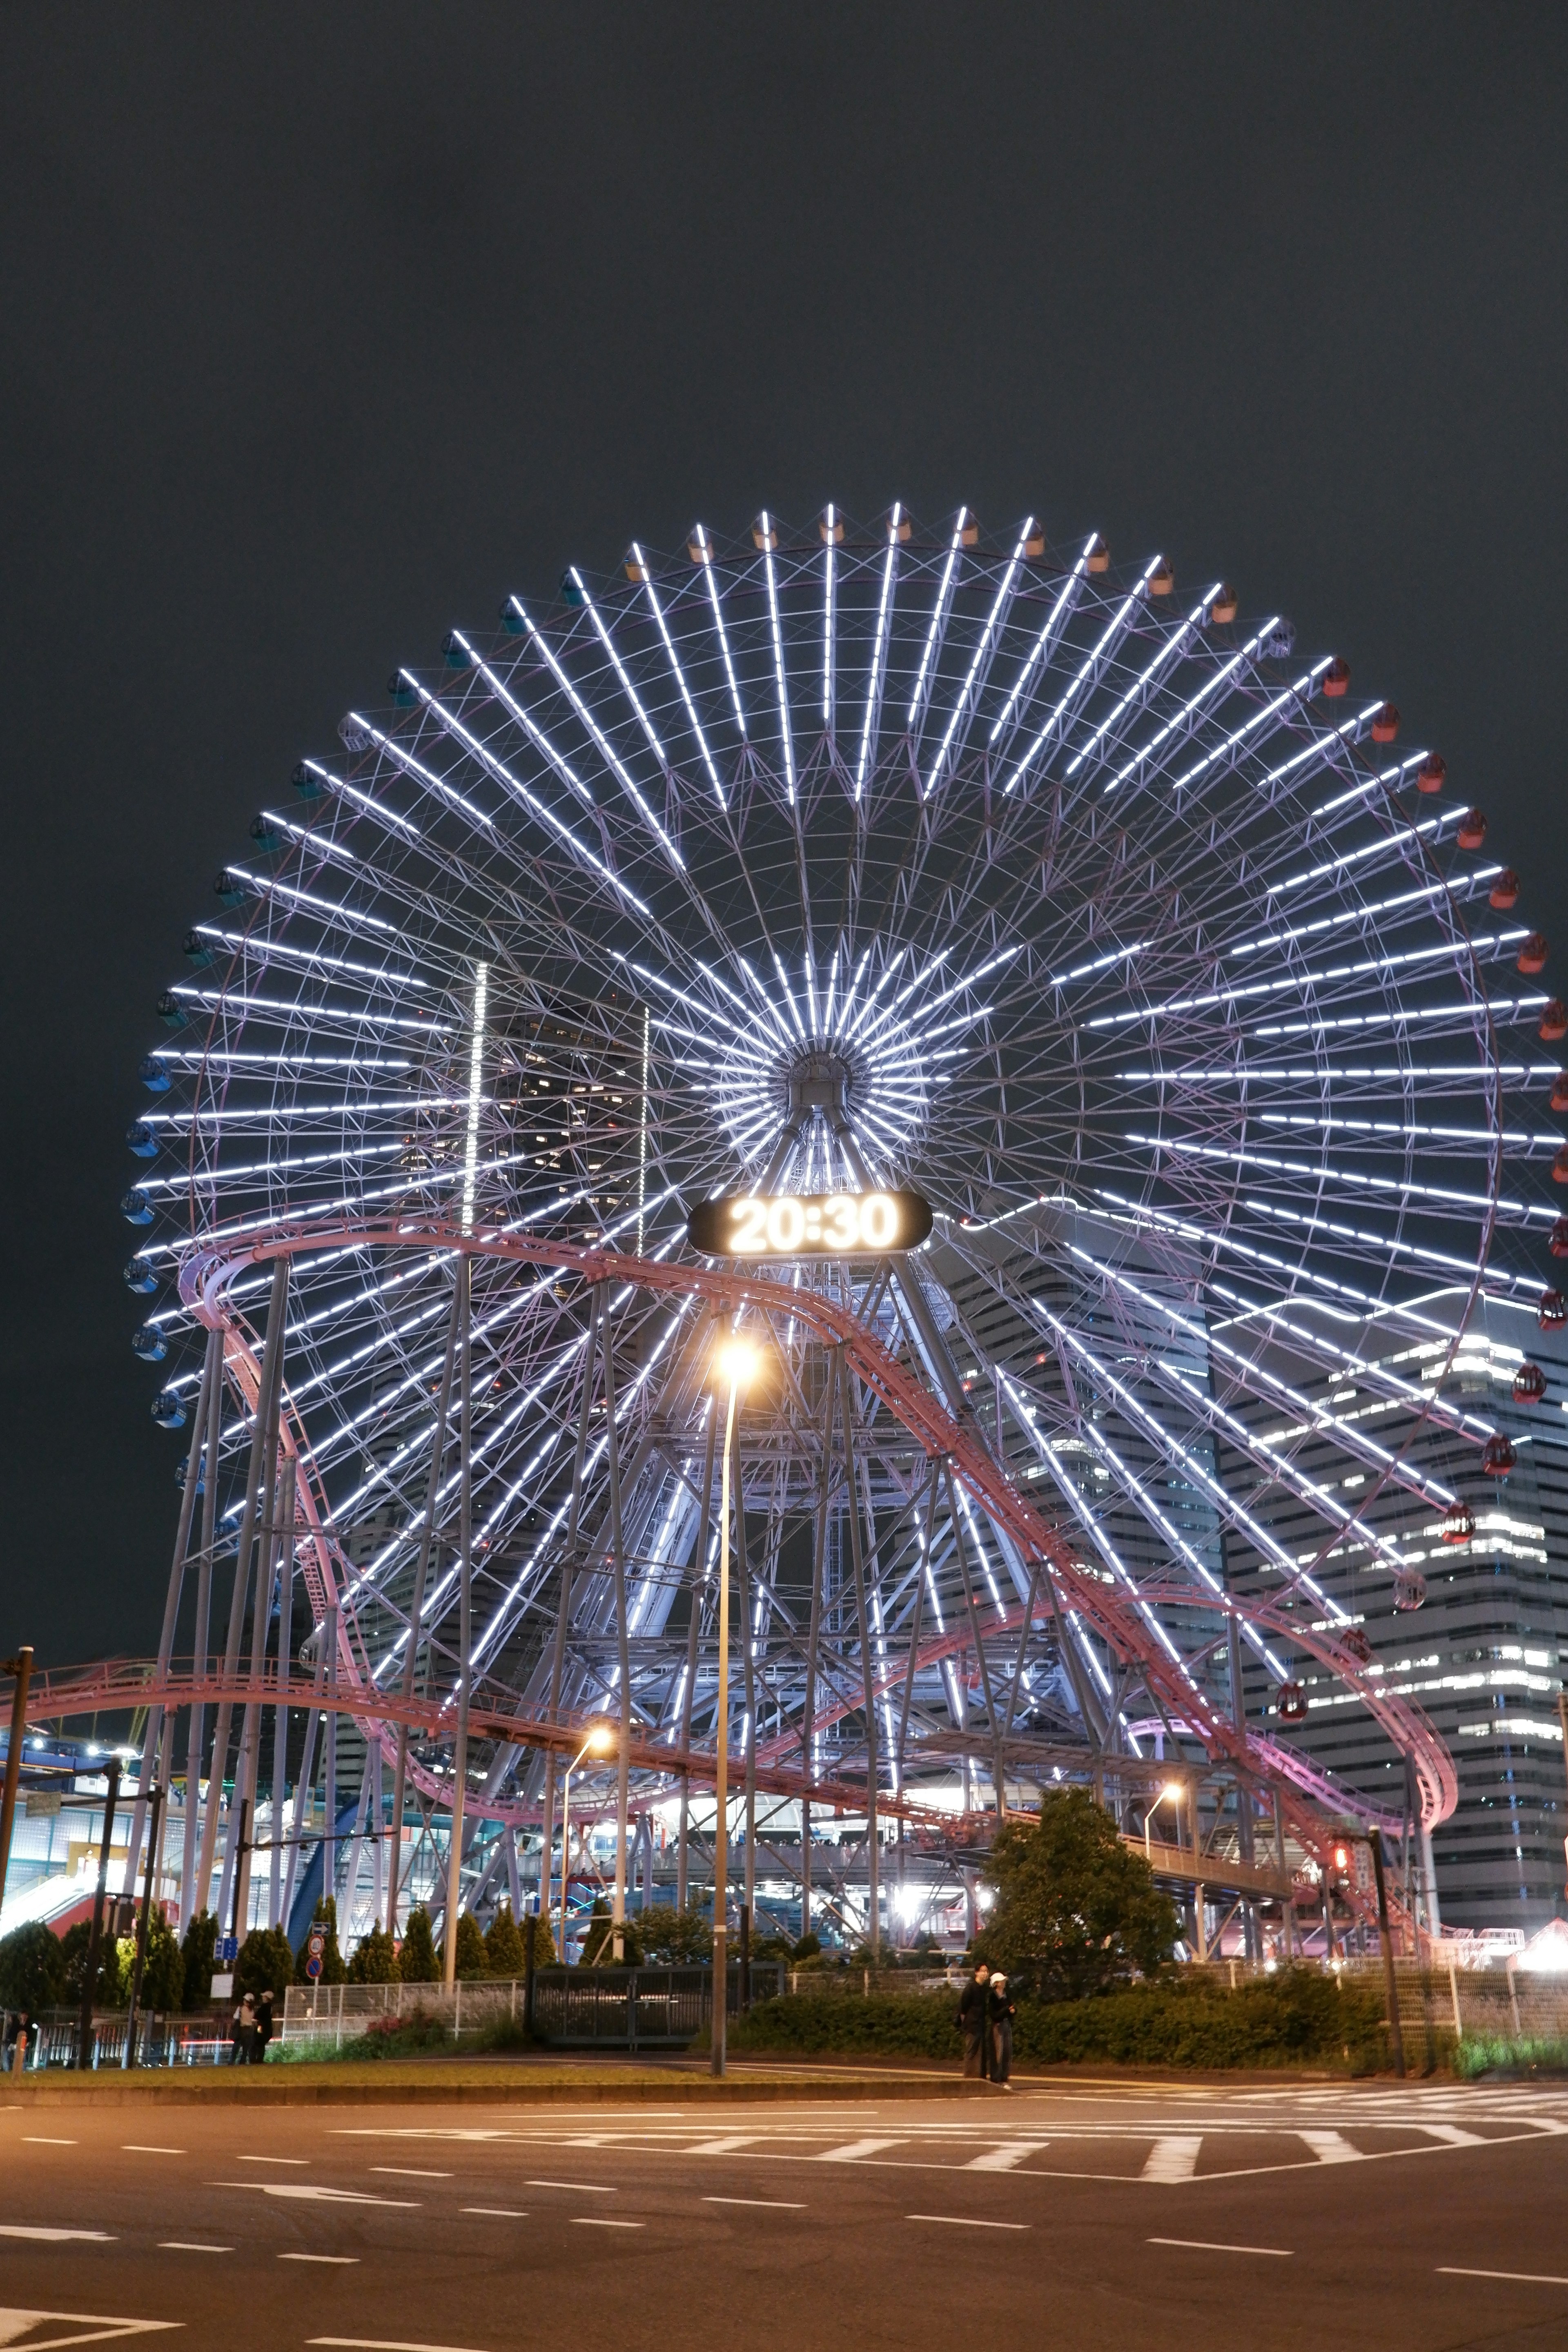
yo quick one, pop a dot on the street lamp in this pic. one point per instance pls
(1172, 1793)
(599, 1740)
(736, 1361)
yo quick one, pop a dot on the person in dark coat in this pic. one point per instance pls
(1002, 2011)
(974, 2023)
(244, 2032)
(264, 2022)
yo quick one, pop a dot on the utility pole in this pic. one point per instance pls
(21, 1667)
(142, 1925)
(1391, 1987)
(95, 1939)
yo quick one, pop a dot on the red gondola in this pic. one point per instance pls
(1292, 1703)
(1497, 1457)
(1409, 1589)
(1529, 1384)
(1552, 1312)
(1457, 1526)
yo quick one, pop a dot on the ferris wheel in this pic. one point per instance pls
(808, 870)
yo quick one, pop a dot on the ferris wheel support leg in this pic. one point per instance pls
(416, 1605)
(281, 1712)
(748, 1620)
(618, 1567)
(248, 1778)
(867, 1679)
(465, 1628)
(698, 1577)
(196, 1728)
(814, 1630)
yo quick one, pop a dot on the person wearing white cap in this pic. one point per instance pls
(1004, 2009)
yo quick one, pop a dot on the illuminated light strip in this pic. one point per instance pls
(1319, 1024)
(498, 768)
(607, 752)
(1348, 731)
(1385, 777)
(832, 985)
(1166, 1443)
(1055, 620)
(1243, 990)
(1188, 711)
(509, 702)
(1319, 1416)
(1100, 964)
(1346, 1361)
(262, 947)
(627, 688)
(1416, 1252)
(1298, 694)
(889, 969)
(784, 729)
(827, 626)
(706, 546)
(1405, 1189)
(649, 591)
(1400, 900)
(766, 1001)
(417, 768)
(1390, 1128)
(1311, 1072)
(196, 1058)
(879, 643)
(810, 992)
(476, 1064)
(937, 621)
(210, 1179)
(340, 784)
(789, 999)
(190, 1121)
(1378, 848)
(232, 999)
(1004, 597)
(1172, 645)
(1088, 673)
(267, 888)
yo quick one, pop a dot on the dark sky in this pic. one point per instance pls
(323, 327)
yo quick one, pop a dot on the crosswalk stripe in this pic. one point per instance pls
(1003, 2160)
(723, 2146)
(1452, 2134)
(1330, 2148)
(854, 2149)
(1175, 2158)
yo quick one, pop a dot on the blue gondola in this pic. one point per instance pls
(153, 1076)
(150, 1343)
(230, 888)
(268, 836)
(136, 1209)
(141, 1140)
(457, 653)
(403, 690)
(309, 787)
(196, 949)
(139, 1275)
(171, 1012)
(511, 619)
(570, 591)
(169, 1409)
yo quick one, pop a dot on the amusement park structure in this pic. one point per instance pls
(820, 866)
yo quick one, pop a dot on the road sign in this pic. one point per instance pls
(226, 1949)
(313, 1966)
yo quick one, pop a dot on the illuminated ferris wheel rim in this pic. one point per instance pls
(672, 895)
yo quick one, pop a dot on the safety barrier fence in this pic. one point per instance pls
(581, 2007)
(54, 2039)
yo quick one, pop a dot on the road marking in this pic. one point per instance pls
(312, 2192)
(723, 2146)
(1175, 2158)
(272, 2159)
(586, 2187)
(140, 2148)
(409, 2172)
(1452, 2135)
(383, 2344)
(1520, 2278)
(853, 2150)
(499, 2212)
(1003, 2160)
(16, 2323)
(1211, 2246)
(53, 2237)
(1330, 2148)
(592, 2222)
(963, 2221)
(777, 2204)
(189, 2246)
(346, 2261)
(41, 2139)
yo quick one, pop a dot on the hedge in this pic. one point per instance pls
(1297, 2017)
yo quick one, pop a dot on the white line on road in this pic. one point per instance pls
(42, 2139)
(1003, 2160)
(1520, 2278)
(382, 2344)
(1330, 2147)
(1211, 2246)
(853, 2150)
(140, 2148)
(592, 2222)
(498, 2212)
(410, 2172)
(189, 2246)
(53, 2237)
(345, 2260)
(272, 2159)
(16, 2323)
(1452, 2135)
(722, 2146)
(312, 2192)
(1175, 2158)
(775, 2204)
(586, 2187)
(963, 2221)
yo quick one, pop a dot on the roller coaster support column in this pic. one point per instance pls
(416, 1612)
(21, 1666)
(465, 1624)
(95, 1934)
(1389, 1985)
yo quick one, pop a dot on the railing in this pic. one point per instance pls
(573, 2009)
(55, 2038)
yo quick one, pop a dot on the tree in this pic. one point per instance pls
(416, 1961)
(504, 1955)
(471, 1948)
(32, 1968)
(266, 1963)
(163, 1967)
(199, 1944)
(108, 1992)
(672, 1940)
(375, 1961)
(332, 1969)
(1077, 1911)
(599, 1942)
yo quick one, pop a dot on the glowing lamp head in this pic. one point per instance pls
(600, 1739)
(737, 1362)
(1172, 1793)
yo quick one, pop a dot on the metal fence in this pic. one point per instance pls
(573, 2009)
(53, 2039)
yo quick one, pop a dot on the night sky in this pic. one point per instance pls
(324, 327)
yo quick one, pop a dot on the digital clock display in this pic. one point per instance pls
(820, 1225)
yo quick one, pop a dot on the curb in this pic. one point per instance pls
(420, 2090)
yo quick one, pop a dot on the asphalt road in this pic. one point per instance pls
(1065, 2215)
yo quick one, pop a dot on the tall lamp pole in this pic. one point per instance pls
(21, 1667)
(736, 1359)
(592, 1746)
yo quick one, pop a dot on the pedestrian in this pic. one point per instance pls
(16, 2041)
(263, 2024)
(1004, 2009)
(244, 2032)
(974, 2023)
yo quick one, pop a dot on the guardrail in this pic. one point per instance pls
(53, 2039)
(581, 2007)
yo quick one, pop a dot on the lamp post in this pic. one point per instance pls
(736, 1360)
(595, 1745)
